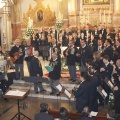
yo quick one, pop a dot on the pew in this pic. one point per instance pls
(74, 115)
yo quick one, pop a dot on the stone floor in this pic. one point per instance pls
(9, 109)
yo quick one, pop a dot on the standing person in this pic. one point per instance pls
(43, 115)
(84, 53)
(106, 72)
(54, 75)
(36, 70)
(17, 52)
(82, 92)
(29, 52)
(70, 54)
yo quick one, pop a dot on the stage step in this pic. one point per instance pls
(20, 84)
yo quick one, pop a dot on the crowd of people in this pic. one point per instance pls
(96, 51)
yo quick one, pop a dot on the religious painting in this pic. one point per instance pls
(39, 15)
(90, 2)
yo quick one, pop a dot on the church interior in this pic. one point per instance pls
(65, 28)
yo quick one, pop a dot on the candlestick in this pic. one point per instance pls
(100, 15)
(104, 16)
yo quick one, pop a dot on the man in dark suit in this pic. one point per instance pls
(95, 32)
(43, 115)
(85, 114)
(54, 75)
(116, 53)
(99, 46)
(36, 70)
(81, 93)
(108, 50)
(84, 53)
(106, 72)
(70, 54)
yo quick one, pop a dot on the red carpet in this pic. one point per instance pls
(66, 75)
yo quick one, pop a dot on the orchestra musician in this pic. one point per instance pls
(54, 75)
(70, 54)
(81, 93)
(29, 52)
(17, 53)
(106, 72)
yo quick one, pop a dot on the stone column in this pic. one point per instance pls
(117, 6)
(72, 13)
(116, 14)
(16, 20)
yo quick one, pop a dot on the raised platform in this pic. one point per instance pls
(20, 84)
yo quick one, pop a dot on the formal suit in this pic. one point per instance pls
(35, 70)
(56, 73)
(116, 53)
(93, 105)
(108, 51)
(95, 33)
(85, 53)
(107, 73)
(117, 99)
(98, 48)
(43, 116)
(82, 96)
(71, 60)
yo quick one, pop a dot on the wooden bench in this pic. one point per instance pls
(73, 115)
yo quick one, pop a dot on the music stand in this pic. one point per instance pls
(17, 95)
(61, 88)
(102, 92)
(109, 83)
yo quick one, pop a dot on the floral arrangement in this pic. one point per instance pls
(111, 101)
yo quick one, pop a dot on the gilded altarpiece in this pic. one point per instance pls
(41, 16)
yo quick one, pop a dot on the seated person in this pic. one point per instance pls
(64, 114)
(85, 114)
(111, 115)
(43, 115)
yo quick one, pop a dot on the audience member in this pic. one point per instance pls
(85, 114)
(64, 114)
(43, 115)
(111, 115)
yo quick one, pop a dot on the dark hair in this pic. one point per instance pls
(109, 41)
(43, 107)
(106, 57)
(63, 114)
(85, 75)
(94, 65)
(88, 61)
(111, 113)
(86, 111)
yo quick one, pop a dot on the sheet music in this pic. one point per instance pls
(67, 93)
(111, 85)
(104, 93)
(15, 93)
(93, 113)
(59, 87)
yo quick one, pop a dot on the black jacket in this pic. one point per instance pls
(56, 65)
(84, 118)
(82, 96)
(18, 49)
(35, 67)
(43, 116)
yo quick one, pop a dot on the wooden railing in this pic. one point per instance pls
(73, 115)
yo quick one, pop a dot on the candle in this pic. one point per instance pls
(104, 16)
(100, 15)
